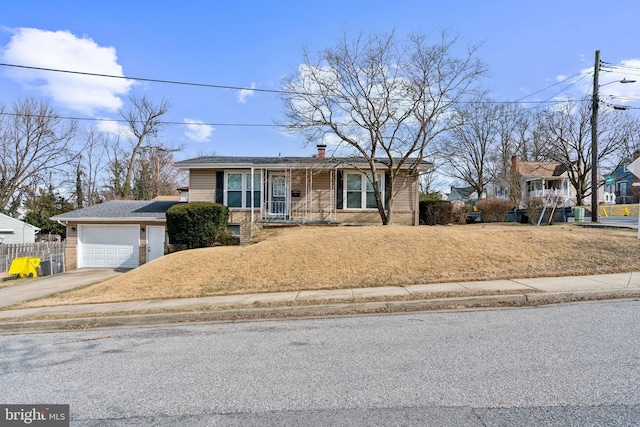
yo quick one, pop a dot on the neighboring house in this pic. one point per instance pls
(624, 183)
(494, 190)
(538, 179)
(16, 231)
(115, 234)
(465, 194)
(297, 190)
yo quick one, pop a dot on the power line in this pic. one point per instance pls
(549, 87)
(99, 119)
(144, 79)
(216, 86)
(276, 91)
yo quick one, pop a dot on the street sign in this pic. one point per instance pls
(634, 167)
(610, 180)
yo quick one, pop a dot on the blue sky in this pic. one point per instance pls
(527, 46)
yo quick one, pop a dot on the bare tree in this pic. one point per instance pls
(154, 173)
(533, 137)
(471, 150)
(631, 138)
(33, 141)
(382, 100)
(144, 120)
(116, 169)
(569, 130)
(91, 168)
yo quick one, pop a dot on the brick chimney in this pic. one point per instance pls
(515, 164)
(322, 148)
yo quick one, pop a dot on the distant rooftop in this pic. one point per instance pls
(546, 169)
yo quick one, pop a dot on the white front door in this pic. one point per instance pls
(278, 195)
(155, 242)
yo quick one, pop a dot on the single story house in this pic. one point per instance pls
(115, 234)
(16, 231)
(314, 189)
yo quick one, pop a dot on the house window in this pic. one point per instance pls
(238, 190)
(622, 188)
(234, 229)
(256, 190)
(359, 192)
(234, 190)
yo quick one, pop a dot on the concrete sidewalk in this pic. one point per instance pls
(515, 292)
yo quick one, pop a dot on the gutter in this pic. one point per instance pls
(106, 219)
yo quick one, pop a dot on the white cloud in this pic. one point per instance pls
(198, 131)
(63, 50)
(114, 128)
(246, 93)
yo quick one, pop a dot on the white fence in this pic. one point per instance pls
(51, 255)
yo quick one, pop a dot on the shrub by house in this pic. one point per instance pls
(197, 224)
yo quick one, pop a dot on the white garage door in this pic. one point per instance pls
(108, 246)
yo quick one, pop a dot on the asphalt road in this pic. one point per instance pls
(563, 365)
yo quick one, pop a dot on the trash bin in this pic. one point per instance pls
(45, 268)
(578, 214)
(25, 267)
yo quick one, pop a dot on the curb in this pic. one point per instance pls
(342, 309)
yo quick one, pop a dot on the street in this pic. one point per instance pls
(575, 364)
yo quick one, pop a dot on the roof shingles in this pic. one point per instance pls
(120, 209)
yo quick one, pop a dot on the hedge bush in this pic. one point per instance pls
(197, 224)
(436, 212)
(494, 210)
(460, 212)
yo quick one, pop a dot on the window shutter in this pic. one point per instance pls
(339, 189)
(220, 187)
(387, 177)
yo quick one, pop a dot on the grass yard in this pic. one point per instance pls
(300, 258)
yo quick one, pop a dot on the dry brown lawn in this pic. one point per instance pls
(342, 257)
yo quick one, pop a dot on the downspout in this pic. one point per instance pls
(252, 204)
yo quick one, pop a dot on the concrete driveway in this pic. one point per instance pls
(28, 289)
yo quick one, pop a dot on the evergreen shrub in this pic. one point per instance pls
(197, 224)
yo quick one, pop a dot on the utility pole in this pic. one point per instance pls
(594, 140)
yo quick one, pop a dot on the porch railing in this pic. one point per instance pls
(546, 192)
(275, 210)
(298, 211)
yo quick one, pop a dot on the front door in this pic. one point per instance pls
(155, 242)
(278, 196)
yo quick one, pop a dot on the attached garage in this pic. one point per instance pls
(115, 234)
(108, 246)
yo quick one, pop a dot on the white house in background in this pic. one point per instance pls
(538, 179)
(16, 231)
